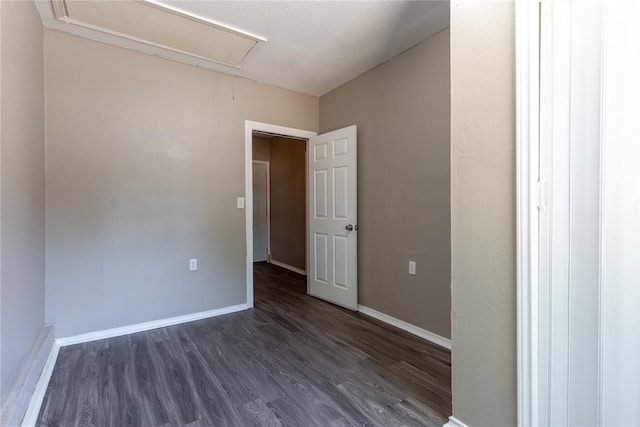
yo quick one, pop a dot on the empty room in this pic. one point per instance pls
(318, 213)
(169, 294)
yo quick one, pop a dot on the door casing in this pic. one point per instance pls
(249, 128)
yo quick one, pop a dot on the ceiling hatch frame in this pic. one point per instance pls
(64, 13)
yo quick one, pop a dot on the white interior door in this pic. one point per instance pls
(260, 211)
(333, 236)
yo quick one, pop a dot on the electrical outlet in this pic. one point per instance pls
(193, 264)
(412, 268)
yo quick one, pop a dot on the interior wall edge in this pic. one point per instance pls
(483, 212)
(22, 187)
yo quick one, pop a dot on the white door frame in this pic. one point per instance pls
(527, 168)
(268, 167)
(249, 128)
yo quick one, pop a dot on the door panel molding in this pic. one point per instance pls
(332, 171)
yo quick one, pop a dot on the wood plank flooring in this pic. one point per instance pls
(293, 360)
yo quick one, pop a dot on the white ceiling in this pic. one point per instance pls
(312, 46)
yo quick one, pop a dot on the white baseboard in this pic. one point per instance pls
(31, 416)
(146, 326)
(17, 401)
(412, 329)
(32, 412)
(289, 267)
(454, 422)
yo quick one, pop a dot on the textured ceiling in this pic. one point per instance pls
(312, 46)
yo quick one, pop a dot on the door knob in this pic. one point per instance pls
(349, 227)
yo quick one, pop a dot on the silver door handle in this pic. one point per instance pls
(349, 227)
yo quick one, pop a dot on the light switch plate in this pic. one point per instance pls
(412, 268)
(240, 203)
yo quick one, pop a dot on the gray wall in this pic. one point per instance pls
(402, 111)
(288, 202)
(145, 159)
(483, 213)
(22, 187)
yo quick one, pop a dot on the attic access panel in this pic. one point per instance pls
(159, 25)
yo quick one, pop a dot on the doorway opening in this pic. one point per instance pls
(279, 201)
(330, 208)
(261, 205)
(276, 198)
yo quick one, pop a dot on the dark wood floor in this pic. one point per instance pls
(292, 360)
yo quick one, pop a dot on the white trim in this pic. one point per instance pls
(401, 324)
(205, 20)
(124, 36)
(17, 400)
(527, 140)
(268, 166)
(147, 326)
(289, 267)
(31, 416)
(306, 212)
(249, 128)
(175, 11)
(454, 422)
